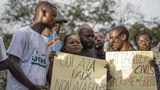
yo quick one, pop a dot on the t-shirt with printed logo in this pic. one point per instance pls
(33, 52)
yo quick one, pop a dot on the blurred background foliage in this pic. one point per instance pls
(102, 15)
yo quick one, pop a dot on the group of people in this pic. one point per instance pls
(28, 56)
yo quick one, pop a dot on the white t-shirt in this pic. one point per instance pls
(3, 55)
(33, 52)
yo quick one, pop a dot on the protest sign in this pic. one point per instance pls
(131, 70)
(73, 72)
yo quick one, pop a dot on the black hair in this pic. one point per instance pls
(83, 27)
(65, 42)
(43, 4)
(143, 32)
(122, 30)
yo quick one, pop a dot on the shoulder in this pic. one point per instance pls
(23, 29)
(20, 36)
(22, 32)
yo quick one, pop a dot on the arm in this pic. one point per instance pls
(109, 76)
(4, 64)
(156, 70)
(157, 74)
(17, 72)
(49, 75)
(51, 59)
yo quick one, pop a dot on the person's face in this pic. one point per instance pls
(49, 17)
(57, 26)
(87, 38)
(73, 45)
(115, 40)
(143, 43)
(99, 41)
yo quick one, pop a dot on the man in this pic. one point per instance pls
(119, 39)
(99, 44)
(59, 20)
(86, 35)
(52, 37)
(28, 52)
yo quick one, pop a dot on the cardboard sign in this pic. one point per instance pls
(73, 72)
(131, 70)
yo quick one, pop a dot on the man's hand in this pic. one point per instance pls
(52, 55)
(107, 66)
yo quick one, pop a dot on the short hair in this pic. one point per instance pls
(143, 32)
(65, 42)
(122, 30)
(44, 4)
(82, 27)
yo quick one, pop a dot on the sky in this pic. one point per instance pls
(1, 4)
(150, 8)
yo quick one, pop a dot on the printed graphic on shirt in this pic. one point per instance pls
(39, 59)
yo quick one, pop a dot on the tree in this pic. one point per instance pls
(101, 15)
(155, 33)
(18, 11)
(96, 13)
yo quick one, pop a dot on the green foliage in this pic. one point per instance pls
(88, 11)
(7, 39)
(154, 32)
(102, 13)
(135, 28)
(19, 11)
(3, 80)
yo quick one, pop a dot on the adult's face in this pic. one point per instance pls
(87, 38)
(115, 40)
(48, 17)
(48, 20)
(73, 45)
(99, 41)
(143, 43)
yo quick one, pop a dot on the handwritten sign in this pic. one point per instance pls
(131, 70)
(73, 72)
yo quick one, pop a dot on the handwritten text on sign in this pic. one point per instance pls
(131, 70)
(73, 72)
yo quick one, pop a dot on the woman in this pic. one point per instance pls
(72, 44)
